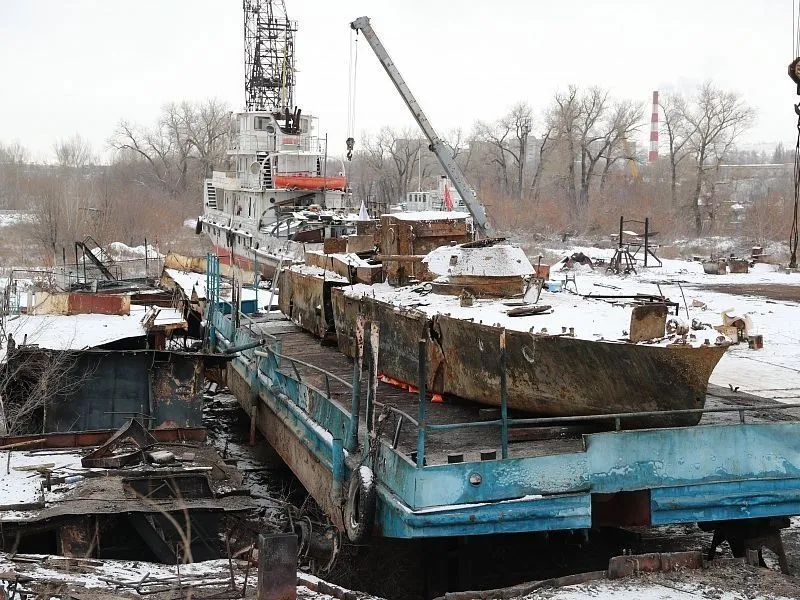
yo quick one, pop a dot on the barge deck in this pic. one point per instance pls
(467, 444)
(442, 469)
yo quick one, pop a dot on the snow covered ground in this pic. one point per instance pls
(651, 590)
(771, 372)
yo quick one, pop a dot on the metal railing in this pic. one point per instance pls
(504, 423)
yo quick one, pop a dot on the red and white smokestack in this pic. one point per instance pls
(653, 155)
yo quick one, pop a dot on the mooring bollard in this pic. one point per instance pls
(277, 567)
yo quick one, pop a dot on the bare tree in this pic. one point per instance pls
(544, 144)
(74, 152)
(717, 118)
(623, 122)
(394, 158)
(206, 126)
(679, 132)
(564, 116)
(509, 138)
(186, 134)
(14, 159)
(31, 379)
(59, 202)
(591, 139)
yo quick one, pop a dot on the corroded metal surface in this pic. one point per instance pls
(295, 452)
(306, 300)
(548, 375)
(401, 330)
(648, 322)
(101, 389)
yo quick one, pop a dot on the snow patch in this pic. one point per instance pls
(431, 215)
(122, 251)
(13, 217)
(502, 260)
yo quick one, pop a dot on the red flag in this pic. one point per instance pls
(448, 199)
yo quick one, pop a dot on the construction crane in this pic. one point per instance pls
(268, 56)
(437, 145)
(631, 158)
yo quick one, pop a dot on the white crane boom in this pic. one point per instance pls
(442, 151)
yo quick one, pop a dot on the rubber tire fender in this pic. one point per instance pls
(198, 228)
(359, 510)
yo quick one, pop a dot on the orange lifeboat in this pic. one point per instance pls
(309, 182)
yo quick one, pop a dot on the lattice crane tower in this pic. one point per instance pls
(269, 77)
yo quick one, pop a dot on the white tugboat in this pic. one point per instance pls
(280, 195)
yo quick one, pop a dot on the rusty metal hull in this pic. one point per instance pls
(305, 299)
(547, 375)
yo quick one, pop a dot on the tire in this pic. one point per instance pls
(359, 511)
(198, 228)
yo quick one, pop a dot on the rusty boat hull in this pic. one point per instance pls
(547, 375)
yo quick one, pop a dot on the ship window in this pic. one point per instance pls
(262, 123)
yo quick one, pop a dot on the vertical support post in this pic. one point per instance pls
(277, 567)
(355, 400)
(374, 335)
(146, 264)
(254, 398)
(77, 268)
(275, 277)
(423, 400)
(621, 225)
(256, 279)
(646, 239)
(503, 397)
(337, 463)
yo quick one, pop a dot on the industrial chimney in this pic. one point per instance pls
(653, 155)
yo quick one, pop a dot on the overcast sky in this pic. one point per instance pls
(81, 65)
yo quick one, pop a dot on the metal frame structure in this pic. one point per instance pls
(269, 77)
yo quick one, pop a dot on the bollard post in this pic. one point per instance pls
(337, 465)
(355, 400)
(277, 567)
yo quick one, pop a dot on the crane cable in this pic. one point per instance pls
(351, 95)
(793, 234)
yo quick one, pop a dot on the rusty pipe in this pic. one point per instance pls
(248, 346)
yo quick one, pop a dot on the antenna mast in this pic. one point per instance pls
(268, 56)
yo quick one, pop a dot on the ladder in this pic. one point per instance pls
(264, 160)
(211, 194)
(97, 256)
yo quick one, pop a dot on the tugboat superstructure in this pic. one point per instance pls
(280, 192)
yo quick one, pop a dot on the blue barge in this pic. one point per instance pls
(389, 462)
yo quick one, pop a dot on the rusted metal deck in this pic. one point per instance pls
(475, 443)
